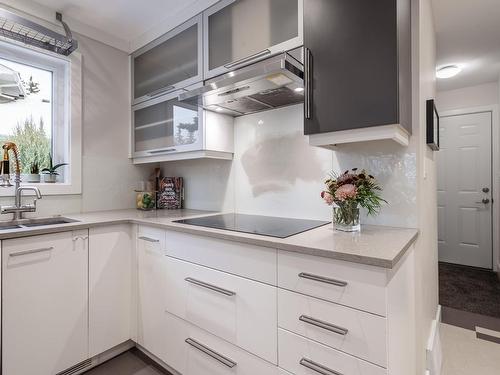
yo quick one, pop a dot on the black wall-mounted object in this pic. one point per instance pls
(357, 64)
(432, 125)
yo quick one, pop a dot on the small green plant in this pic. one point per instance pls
(52, 169)
(34, 167)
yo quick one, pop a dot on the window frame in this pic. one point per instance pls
(66, 111)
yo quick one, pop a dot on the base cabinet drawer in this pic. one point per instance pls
(250, 261)
(351, 331)
(239, 310)
(354, 285)
(301, 356)
(193, 351)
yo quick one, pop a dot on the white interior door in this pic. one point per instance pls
(464, 190)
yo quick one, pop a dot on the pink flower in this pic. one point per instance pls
(327, 197)
(347, 191)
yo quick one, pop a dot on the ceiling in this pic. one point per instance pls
(125, 24)
(468, 34)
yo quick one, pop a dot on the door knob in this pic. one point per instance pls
(484, 201)
(486, 190)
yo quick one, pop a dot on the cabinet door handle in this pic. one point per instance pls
(320, 369)
(325, 325)
(32, 251)
(244, 60)
(161, 91)
(148, 239)
(163, 150)
(322, 279)
(210, 286)
(212, 353)
(307, 83)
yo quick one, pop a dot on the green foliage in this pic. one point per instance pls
(366, 190)
(52, 169)
(33, 144)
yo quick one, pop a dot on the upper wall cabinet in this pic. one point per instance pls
(357, 71)
(169, 63)
(238, 32)
(165, 129)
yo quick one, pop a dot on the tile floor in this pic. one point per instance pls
(464, 354)
(128, 363)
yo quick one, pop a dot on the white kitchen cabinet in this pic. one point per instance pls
(301, 356)
(45, 303)
(151, 290)
(110, 287)
(233, 308)
(238, 32)
(169, 63)
(165, 129)
(352, 331)
(246, 260)
(354, 285)
(193, 351)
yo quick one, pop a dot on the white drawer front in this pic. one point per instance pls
(239, 310)
(152, 239)
(254, 262)
(354, 285)
(349, 330)
(208, 354)
(301, 356)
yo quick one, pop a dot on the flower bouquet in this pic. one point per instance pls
(349, 191)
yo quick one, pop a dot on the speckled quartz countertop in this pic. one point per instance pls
(379, 246)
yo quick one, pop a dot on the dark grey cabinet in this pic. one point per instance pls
(357, 64)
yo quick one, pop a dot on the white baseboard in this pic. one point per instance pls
(434, 350)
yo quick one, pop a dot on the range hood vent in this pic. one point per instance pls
(13, 26)
(271, 83)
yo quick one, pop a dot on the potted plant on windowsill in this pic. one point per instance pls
(34, 175)
(50, 173)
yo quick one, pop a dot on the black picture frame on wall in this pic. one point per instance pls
(432, 125)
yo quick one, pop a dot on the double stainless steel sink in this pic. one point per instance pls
(30, 223)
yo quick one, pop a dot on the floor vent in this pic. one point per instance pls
(77, 368)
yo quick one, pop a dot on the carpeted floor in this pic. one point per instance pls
(469, 289)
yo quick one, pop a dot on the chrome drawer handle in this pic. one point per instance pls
(320, 369)
(325, 325)
(322, 279)
(248, 59)
(33, 251)
(210, 286)
(212, 353)
(148, 239)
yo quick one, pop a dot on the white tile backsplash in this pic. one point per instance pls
(275, 172)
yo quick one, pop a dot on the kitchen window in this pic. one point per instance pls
(40, 110)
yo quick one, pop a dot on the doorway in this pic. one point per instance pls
(465, 184)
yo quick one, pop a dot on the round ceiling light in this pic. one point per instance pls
(448, 71)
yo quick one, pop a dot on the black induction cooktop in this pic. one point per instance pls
(262, 225)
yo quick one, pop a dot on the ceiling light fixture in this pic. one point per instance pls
(448, 71)
(298, 89)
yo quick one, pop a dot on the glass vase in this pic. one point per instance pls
(346, 217)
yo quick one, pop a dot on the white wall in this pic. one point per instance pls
(467, 97)
(276, 172)
(108, 176)
(426, 249)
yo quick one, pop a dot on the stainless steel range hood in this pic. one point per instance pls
(271, 83)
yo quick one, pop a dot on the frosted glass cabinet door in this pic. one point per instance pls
(168, 63)
(165, 125)
(241, 31)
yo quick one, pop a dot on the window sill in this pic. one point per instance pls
(57, 188)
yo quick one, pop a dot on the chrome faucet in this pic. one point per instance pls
(18, 208)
